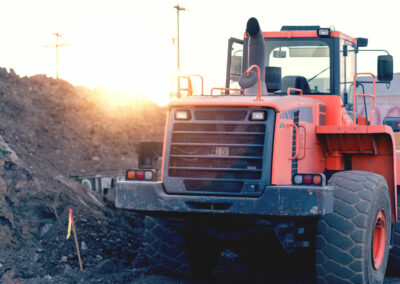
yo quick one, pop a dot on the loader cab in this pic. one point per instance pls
(316, 60)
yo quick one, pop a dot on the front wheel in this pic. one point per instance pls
(172, 251)
(353, 242)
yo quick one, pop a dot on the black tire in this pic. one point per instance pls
(172, 251)
(345, 238)
(394, 254)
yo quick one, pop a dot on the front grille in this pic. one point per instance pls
(217, 151)
(232, 115)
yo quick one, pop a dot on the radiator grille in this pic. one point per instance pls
(217, 150)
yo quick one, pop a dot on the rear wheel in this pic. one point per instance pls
(353, 242)
(172, 251)
(394, 256)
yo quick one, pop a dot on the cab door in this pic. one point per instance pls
(234, 63)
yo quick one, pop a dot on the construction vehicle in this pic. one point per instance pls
(102, 183)
(287, 153)
(149, 157)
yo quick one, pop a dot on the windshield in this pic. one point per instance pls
(304, 64)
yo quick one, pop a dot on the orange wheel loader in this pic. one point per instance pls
(287, 156)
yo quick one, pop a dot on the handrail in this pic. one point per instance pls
(189, 89)
(355, 95)
(259, 79)
(202, 81)
(226, 89)
(289, 90)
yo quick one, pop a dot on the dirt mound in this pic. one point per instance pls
(33, 222)
(76, 130)
(56, 130)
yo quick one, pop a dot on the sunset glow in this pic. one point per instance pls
(128, 46)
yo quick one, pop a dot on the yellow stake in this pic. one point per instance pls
(71, 222)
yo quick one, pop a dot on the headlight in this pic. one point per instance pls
(258, 115)
(182, 115)
(324, 32)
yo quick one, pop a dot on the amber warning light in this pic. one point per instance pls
(143, 175)
(309, 179)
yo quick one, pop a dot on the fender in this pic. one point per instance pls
(368, 148)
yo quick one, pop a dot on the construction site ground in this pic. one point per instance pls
(50, 130)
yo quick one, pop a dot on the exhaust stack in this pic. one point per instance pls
(256, 56)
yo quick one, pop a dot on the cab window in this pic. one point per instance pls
(305, 64)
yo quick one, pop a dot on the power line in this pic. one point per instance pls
(57, 45)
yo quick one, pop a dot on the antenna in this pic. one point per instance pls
(57, 45)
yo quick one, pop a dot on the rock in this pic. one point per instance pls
(67, 268)
(48, 277)
(64, 258)
(106, 266)
(45, 229)
(36, 257)
(95, 158)
(39, 250)
(83, 246)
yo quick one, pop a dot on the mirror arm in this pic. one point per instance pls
(376, 50)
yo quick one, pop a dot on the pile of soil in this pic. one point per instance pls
(74, 129)
(49, 130)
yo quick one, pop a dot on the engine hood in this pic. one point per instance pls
(278, 103)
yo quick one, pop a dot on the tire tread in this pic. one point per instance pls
(340, 235)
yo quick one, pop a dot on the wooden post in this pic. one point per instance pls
(76, 238)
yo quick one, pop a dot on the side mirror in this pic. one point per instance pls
(362, 42)
(385, 68)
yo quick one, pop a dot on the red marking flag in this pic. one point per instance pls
(70, 221)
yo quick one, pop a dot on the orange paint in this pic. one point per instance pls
(371, 149)
(318, 147)
(226, 89)
(164, 145)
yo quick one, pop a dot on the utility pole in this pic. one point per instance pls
(178, 9)
(57, 45)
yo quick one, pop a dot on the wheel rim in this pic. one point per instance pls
(379, 239)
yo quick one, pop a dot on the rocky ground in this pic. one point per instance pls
(49, 130)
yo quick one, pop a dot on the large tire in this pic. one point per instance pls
(172, 251)
(394, 255)
(352, 244)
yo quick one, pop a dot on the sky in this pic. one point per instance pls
(128, 46)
